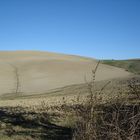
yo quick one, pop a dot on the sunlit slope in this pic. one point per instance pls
(132, 65)
(40, 72)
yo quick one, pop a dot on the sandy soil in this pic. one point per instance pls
(40, 72)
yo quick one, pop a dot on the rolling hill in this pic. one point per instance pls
(132, 65)
(40, 72)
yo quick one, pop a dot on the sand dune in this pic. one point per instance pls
(40, 72)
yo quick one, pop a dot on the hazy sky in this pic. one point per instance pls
(96, 28)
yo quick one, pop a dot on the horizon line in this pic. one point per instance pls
(63, 53)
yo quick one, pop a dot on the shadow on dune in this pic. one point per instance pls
(18, 121)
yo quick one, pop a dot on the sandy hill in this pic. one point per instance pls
(40, 72)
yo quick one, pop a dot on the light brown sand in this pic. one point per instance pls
(40, 72)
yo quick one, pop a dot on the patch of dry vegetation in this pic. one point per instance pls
(89, 117)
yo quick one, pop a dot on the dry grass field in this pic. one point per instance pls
(49, 96)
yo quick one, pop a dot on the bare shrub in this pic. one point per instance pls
(134, 87)
(117, 119)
